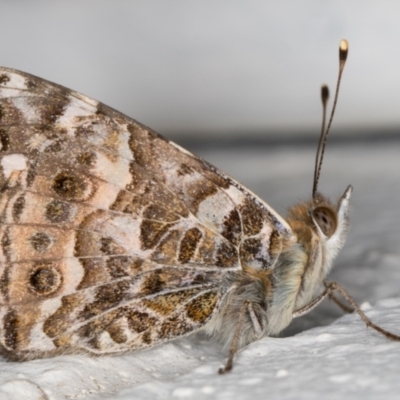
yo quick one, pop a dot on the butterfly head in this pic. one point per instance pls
(331, 222)
(321, 223)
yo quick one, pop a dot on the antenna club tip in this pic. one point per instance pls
(324, 93)
(343, 49)
(344, 45)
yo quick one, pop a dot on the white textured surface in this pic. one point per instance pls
(340, 360)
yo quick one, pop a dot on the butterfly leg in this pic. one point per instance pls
(329, 288)
(328, 292)
(343, 306)
(310, 306)
(247, 307)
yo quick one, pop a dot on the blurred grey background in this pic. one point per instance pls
(206, 70)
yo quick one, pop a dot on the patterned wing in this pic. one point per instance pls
(111, 237)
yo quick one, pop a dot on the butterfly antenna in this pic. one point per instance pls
(324, 98)
(343, 51)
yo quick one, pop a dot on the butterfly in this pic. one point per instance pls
(115, 239)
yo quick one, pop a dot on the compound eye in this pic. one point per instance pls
(326, 220)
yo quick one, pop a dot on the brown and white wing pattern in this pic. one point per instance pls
(111, 237)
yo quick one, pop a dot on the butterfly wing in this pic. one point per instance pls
(111, 237)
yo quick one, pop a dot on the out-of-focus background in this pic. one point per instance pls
(210, 69)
